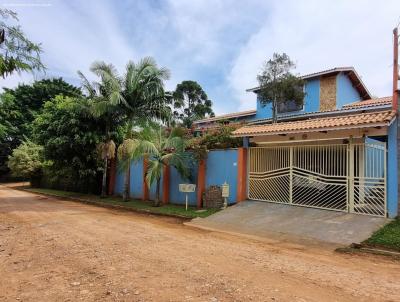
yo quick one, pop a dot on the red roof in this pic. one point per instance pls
(359, 120)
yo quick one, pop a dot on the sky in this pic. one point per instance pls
(221, 44)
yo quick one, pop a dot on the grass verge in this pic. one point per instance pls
(138, 205)
(386, 237)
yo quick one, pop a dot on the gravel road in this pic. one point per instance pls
(58, 250)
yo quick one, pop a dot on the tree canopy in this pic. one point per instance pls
(17, 52)
(19, 107)
(190, 102)
(70, 135)
(278, 85)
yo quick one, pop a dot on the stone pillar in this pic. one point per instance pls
(112, 175)
(242, 175)
(145, 186)
(201, 182)
(165, 187)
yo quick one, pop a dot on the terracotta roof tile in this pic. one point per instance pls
(369, 103)
(319, 124)
(227, 116)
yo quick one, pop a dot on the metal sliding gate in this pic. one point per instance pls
(342, 177)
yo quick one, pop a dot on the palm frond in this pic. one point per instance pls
(86, 85)
(154, 171)
(106, 149)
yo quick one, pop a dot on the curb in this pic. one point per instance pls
(366, 249)
(106, 205)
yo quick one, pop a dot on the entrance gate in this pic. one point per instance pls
(342, 177)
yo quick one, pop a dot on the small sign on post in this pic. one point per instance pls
(225, 193)
(187, 188)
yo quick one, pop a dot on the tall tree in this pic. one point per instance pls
(106, 102)
(20, 106)
(70, 135)
(278, 85)
(143, 92)
(190, 103)
(17, 52)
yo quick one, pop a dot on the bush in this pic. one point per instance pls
(27, 162)
(218, 138)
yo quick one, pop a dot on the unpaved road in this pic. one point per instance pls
(53, 250)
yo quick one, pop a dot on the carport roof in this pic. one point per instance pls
(359, 120)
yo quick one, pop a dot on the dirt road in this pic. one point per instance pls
(53, 250)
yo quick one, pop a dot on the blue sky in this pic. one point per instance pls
(219, 43)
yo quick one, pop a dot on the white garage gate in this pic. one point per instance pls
(342, 177)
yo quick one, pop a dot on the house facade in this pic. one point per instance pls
(338, 151)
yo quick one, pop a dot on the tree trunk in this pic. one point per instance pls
(157, 202)
(274, 111)
(125, 195)
(104, 182)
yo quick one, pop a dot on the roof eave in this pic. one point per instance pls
(372, 125)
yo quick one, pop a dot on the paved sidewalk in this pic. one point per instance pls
(265, 219)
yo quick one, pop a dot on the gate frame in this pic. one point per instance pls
(350, 183)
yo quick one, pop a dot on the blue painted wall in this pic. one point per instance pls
(392, 190)
(175, 179)
(136, 188)
(136, 180)
(221, 167)
(345, 91)
(311, 102)
(119, 182)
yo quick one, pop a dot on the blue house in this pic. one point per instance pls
(337, 151)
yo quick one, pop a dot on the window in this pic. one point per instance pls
(289, 106)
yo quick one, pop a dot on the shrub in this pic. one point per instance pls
(27, 161)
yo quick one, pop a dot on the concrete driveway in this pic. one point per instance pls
(271, 220)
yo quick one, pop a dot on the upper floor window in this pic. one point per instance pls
(289, 106)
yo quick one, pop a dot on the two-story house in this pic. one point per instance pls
(333, 152)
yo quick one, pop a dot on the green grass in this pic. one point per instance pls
(388, 236)
(139, 205)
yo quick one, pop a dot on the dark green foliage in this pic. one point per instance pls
(190, 103)
(219, 138)
(18, 109)
(17, 52)
(69, 135)
(278, 85)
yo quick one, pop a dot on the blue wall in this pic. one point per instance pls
(136, 180)
(345, 91)
(311, 102)
(392, 189)
(221, 167)
(136, 188)
(175, 179)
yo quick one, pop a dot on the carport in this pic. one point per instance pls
(336, 162)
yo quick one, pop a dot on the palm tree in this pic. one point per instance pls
(162, 151)
(105, 102)
(143, 93)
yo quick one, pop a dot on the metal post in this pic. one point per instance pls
(395, 68)
(350, 161)
(290, 174)
(361, 172)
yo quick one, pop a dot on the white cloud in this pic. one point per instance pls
(321, 35)
(221, 44)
